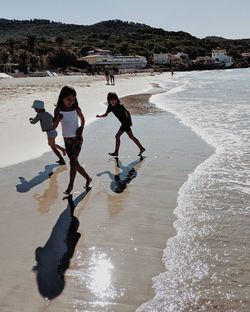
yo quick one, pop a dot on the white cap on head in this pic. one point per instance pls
(38, 104)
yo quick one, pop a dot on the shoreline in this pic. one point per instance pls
(121, 233)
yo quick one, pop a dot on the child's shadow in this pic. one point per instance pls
(119, 180)
(54, 258)
(42, 176)
(50, 194)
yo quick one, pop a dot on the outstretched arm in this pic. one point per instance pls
(103, 115)
(106, 113)
(34, 120)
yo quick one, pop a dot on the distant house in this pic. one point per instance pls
(220, 55)
(161, 58)
(99, 52)
(105, 57)
(201, 59)
(245, 54)
(204, 59)
(180, 57)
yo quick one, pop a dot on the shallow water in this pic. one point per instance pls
(207, 262)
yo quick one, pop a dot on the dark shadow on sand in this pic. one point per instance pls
(42, 176)
(54, 258)
(119, 180)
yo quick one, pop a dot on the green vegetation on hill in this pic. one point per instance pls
(45, 44)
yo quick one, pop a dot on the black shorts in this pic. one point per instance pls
(125, 128)
(73, 147)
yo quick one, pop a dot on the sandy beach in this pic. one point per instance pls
(105, 256)
(19, 94)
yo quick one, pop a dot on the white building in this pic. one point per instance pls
(245, 54)
(220, 55)
(99, 52)
(161, 58)
(105, 57)
(182, 55)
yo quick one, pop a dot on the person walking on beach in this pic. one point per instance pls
(172, 72)
(46, 122)
(112, 76)
(68, 113)
(123, 115)
(107, 74)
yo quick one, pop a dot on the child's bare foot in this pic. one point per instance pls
(113, 154)
(69, 190)
(87, 185)
(61, 162)
(141, 151)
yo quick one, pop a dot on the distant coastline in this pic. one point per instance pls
(38, 45)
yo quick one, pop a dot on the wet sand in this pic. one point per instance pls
(138, 104)
(104, 258)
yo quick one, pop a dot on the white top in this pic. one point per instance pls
(69, 123)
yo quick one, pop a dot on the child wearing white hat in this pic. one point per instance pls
(46, 122)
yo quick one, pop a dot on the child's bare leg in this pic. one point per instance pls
(51, 143)
(61, 149)
(117, 143)
(72, 176)
(82, 171)
(137, 142)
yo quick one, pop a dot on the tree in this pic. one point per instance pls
(31, 41)
(234, 53)
(24, 61)
(63, 59)
(124, 48)
(59, 41)
(11, 45)
(34, 61)
(5, 59)
(85, 49)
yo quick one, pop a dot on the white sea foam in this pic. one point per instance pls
(207, 261)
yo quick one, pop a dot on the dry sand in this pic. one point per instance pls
(104, 258)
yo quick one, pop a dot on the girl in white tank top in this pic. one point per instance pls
(69, 123)
(68, 113)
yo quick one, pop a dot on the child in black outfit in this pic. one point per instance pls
(115, 106)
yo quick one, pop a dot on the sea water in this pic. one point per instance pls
(207, 262)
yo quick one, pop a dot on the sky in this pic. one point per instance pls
(224, 18)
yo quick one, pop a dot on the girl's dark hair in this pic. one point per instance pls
(112, 96)
(66, 91)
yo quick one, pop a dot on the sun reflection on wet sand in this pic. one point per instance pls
(100, 273)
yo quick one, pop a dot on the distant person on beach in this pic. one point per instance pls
(115, 106)
(107, 74)
(46, 122)
(112, 76)
(68, 112)
(172, 72)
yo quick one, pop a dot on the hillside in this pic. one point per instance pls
(44, 37)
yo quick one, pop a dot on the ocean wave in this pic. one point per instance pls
(206, 262)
